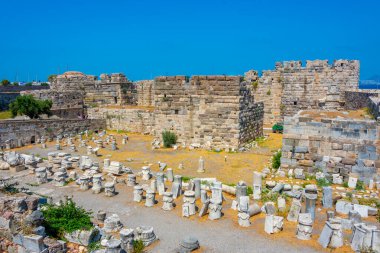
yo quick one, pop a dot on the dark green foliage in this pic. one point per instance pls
(44, 84)
(29, 106)
(277, 128)
(268, 92)
(249, 190)
(323, 182)
(16, 84)
(28, 84)
(65, 218)
(186, 179)
(138, 246)
(267, 195)
(360, 185)
(9, 188)
(276, 160)
(345, 184)
(93, 246)
(169, 138)
(255, 84)
(5, 82)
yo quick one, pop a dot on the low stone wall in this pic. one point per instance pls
(335, 145)
(21, 88)
(21, 132)
(357, 99)
(128, 119)
(9, 93)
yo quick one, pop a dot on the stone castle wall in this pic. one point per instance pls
(132, 120)
(145, 93)
(339, 146)
(374, 107)
(21, 132)
(291, 87)
(205, 110)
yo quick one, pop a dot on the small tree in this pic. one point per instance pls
(29, 106)
(44, 84)
(16, 84)
(28, 84)
(5, 82)
(52, 78)
(276, 160)
(169, 138)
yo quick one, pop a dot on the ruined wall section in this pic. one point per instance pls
(338, 146)
(145, 92)
(22, 132)
(128, 119)
(291, 87)
(358, 99)
(212, 111)
(251, 115)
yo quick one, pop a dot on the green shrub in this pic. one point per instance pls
(169, 138)
(279, 128)
(94, 246)
(267, 195)
(29, 106)
(138, 246)
(269, 92)
(249, 190)
(360, 185)
(65, 218)
(255, 84)
(345, 184)
(276, 160)
(323, 182)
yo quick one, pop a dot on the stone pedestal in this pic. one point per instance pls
(310, 204)
(137, 193)
(109, 189)
(257, 183)
(106, 163)
(188, 244)
(364, 236)
(304, 227)
(146, 175)
(150, 198)
(177, 186)
(204, 196)
(153, 185)
(170, 175)
(127, 236)
(97, 183)
(197, 187)
(160, 183)
(168, 201)
(332, 235)
(113, 246)
(273, 224)
(243, 208)
(58, 146)
(201, 167)
(41, 175)
(188, 207)
(146, 235)
(131, 180)
(215, 207)
(60, 178)
(101, 216)
(327, 200)
(241, 190)
(84, 183)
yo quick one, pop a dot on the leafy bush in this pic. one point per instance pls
(29, 106)
(268, 92)
(276, 160)
(323, 182)
(5, 82)
(360, 185)
(138, 246)
(255, 84)
(93, 246)
(65, 218)
(267, 195)
(169, 138)
(279, 128)
(345, 184)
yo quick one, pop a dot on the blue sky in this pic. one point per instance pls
(144, 38)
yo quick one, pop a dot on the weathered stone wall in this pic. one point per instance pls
(291, 87)
(357, 99)
(21, 132)
(114, 89)
(205, 110)
(66, 104)
(335, 145)
(129, 119)
(145, 92)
